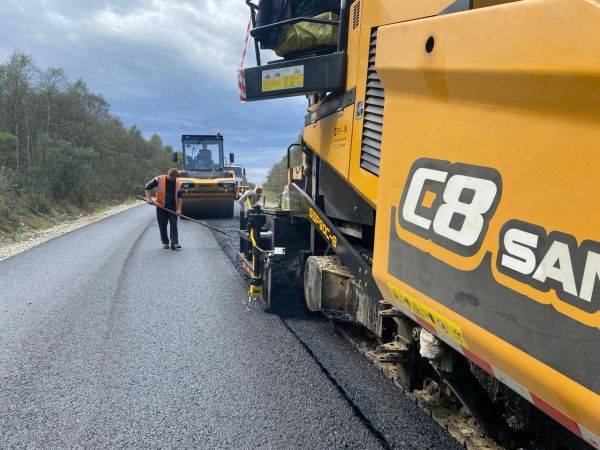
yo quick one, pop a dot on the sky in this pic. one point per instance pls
(168, 66)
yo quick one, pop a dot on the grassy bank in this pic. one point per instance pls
(20, 222)
(62, 151)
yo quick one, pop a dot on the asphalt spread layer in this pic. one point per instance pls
(106, 339)
(393, 417)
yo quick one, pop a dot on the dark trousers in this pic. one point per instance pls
(163, 217)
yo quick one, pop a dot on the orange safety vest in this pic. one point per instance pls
(161, 191)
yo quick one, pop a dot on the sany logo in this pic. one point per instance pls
(452, 205)
(551, 261)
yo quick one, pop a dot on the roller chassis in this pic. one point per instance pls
(206, 199)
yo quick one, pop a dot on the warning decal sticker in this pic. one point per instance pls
(430, 316)
(284, 78)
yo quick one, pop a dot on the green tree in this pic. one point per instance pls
(16, 103)
(277, 176)
(60, 144)
(8, 151)
(71, 168)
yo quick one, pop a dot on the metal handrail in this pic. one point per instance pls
(289, 150)
(273, 26)
(253, 11)
(342, 23)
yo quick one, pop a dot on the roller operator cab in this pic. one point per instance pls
(208, 188)
(448, 193)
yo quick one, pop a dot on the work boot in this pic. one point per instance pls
(166, 246)
(175, 247)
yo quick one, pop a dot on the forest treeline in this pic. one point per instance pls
(60, 146)
(277, 177)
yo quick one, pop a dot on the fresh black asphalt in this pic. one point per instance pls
(106, 340)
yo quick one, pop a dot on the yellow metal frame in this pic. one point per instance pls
(513, 87)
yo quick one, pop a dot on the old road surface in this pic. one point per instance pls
(106, 339)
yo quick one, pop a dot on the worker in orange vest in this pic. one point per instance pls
(169, 197)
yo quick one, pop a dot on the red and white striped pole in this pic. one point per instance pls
(241, 75)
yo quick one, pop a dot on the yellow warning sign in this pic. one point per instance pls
(284, 78)
(430, 316)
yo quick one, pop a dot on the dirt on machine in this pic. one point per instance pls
(208, 188)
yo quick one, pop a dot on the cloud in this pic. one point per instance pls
(166, 65)
(256, 173)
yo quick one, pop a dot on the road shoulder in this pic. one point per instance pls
(44, 235)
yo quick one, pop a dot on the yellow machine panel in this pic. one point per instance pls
(332, 135)
(489, 181)
(365, 16)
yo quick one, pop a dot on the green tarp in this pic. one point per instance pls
(303, 36)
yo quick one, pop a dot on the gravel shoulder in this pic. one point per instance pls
(41, 236)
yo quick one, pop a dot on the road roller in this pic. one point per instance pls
(208, 188)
